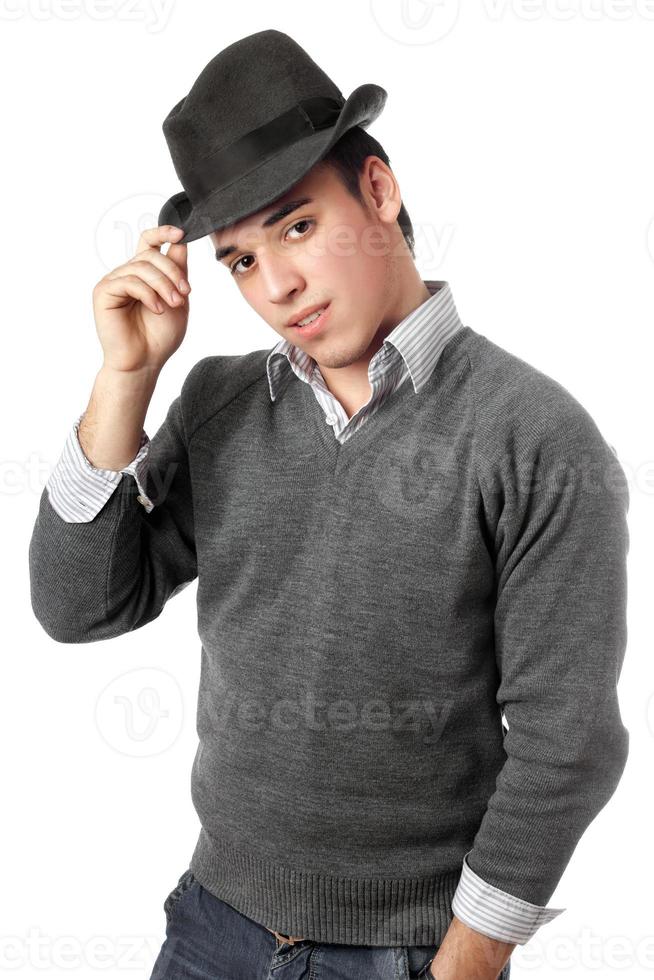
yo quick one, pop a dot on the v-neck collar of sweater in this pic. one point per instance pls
(393, 410)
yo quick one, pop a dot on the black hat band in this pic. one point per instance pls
(221, 168)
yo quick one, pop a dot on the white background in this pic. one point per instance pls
(521, 136)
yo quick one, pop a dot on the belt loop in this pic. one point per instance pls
(281, 938)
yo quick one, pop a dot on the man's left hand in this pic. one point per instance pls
(466, 954)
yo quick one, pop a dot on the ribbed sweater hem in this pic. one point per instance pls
(366, 911)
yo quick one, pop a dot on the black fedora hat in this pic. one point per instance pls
(257, 118)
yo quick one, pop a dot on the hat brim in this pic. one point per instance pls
(263, 185)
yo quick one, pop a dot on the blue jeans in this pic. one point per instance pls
(208, 939)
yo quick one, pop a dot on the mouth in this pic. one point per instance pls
(314, 325)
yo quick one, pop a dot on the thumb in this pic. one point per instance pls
(179, 255)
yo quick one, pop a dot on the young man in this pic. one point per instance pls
(373, 601)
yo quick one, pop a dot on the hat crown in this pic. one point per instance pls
(258, 117)
(244, 86)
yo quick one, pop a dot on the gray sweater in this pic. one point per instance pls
(366, 613)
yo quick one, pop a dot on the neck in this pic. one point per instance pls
(350, 384)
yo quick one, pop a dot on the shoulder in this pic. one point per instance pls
(214, 381)
(521, 409)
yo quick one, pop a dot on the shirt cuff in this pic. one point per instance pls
(78, 490)
(496, 913)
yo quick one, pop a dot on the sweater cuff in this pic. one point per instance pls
(496, 913)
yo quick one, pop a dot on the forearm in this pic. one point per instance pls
(466, 954)
(110, 430)
(101, 578)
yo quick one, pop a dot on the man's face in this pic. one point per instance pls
(328, 251)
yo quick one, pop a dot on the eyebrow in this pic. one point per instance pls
(270, 220)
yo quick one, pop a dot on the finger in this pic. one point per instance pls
(156, 237)
(179, 255)
(132, 287)
(155, 267)
(158, 280)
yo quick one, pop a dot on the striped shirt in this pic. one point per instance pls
(78, 491)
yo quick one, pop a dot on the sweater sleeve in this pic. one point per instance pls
(99, 578)
(557, 504)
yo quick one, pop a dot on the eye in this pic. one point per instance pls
(232, 268)
(302, 221)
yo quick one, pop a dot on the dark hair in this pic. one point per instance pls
(346, 158)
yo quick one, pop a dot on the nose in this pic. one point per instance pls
(281, 279)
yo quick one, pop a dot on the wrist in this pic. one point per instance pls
(140, 378)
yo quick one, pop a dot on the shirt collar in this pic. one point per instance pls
(418, 339)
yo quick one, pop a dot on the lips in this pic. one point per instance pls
(307, 312)
(316, 326)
